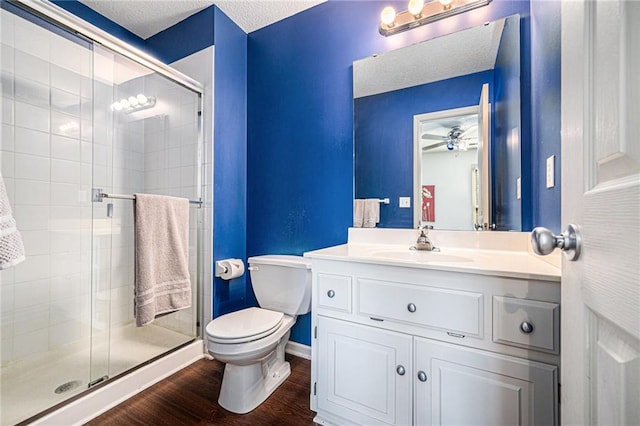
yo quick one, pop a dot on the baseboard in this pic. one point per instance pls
(112, 394)
(298, 349)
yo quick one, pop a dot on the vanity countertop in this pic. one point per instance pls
(505, 254)
(505, 263)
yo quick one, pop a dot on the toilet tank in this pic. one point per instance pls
(282, 283)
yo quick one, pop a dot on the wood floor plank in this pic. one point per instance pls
(190, 397)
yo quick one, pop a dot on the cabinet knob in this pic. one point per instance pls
(411, 307)
(526, 327)
(400, 370)
(331, 293)
(422, 376)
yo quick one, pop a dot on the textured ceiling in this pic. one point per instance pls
(148, 17)
(460, 53)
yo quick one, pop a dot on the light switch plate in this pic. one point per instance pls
(518, 189)
(551, 171)
(404, 202)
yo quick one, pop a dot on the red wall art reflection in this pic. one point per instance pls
(428, 203)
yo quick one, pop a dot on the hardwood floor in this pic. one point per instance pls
(190, 397)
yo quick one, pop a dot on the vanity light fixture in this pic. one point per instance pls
(133, 103)
(419, 13)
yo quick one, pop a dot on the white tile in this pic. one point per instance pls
(7, 83)
(64, 194)
(65, 171)
(66, 102)
(6, 298)
(7, 27)
(31, 218)
(65, 148)
(8, 164)
(65, 125)
(65, 264)
(6, 58)
(31, 192)
(32, 39)
(32, 167)
(32, 142)
(35, 242)
(66, 286)
(6, 345)
(31, 68)
(187, 176)
(31, 92)
(31, 293)
(7, 139)
(66, 80)
(67, 54)
(30, 319)
(31, 117)
(30, 343)
(65, 242)
(86, 152)
(32, 269)
(7, 110)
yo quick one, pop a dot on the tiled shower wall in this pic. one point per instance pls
(55, 147)
(46, 164)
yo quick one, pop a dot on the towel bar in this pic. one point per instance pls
(98, 195)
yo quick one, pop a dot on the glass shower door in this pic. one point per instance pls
(47, 168)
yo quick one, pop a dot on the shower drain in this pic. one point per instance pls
(66, 387)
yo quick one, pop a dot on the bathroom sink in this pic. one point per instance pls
(420, 256)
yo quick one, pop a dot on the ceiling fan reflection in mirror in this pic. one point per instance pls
(450, 134)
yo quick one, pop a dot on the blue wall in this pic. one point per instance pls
(545, 111)
(384, 138)
(507, 148)
(300, 129)
(230, 161)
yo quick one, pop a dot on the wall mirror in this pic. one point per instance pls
(439, 122)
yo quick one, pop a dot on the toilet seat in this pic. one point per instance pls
(244, 326)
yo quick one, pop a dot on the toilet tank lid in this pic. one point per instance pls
(281, 260)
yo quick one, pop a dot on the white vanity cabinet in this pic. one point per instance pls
(419, 346)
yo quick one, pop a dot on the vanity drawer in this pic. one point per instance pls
(334, 292)
(454, 311)
(526, 323)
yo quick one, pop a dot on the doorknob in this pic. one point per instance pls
(544, 242)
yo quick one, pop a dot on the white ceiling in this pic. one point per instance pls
(456, 54)
(148, 17)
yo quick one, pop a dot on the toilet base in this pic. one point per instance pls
(245, 387)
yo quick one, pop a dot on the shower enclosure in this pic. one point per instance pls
(80, 120)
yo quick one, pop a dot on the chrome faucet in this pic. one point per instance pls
(423, 242)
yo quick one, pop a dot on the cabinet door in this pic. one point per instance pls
(470, 387)
(364, 374)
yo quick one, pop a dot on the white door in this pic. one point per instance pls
(456, 385)
(600, 366)
(364, 374)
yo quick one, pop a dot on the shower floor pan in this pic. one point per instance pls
(33, 385)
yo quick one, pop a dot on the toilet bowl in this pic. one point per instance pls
(251, 342)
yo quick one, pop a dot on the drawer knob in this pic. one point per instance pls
(422, 376)
(526, 327)
(411, 307)
(400, 370)
(331, 293)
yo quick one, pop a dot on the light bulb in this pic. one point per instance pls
(133, 101)
(415, 7)
(446, 3)
(124, 103)
(142, 99)
(116, 106)
(388, 16)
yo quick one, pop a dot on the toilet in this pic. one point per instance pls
(252, 341)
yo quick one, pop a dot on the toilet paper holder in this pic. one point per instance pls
(228, 269)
